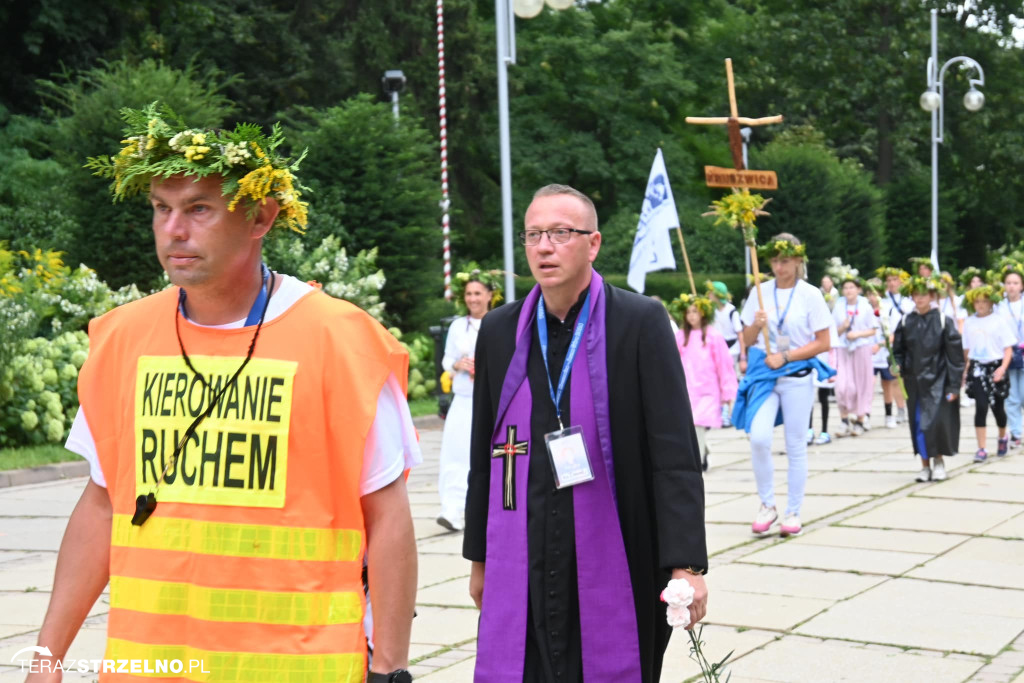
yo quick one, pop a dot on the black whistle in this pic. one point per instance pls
(144, 506)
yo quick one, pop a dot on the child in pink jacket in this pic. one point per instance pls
(710, 377)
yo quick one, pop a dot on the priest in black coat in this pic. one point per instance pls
(568, 577)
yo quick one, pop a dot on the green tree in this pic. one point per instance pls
(373, 185)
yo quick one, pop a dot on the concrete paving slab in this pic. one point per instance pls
(454, 593)
(856, 483)
(461, 672)
(930, 514)
(790, 660)
(33, 533)
(722, 537)
(424, 528)
(449, 544)
(932, 615)
(711, 499)
(877, 539)
(772, 612)
(815, 507)
(444, 625)
(785, 581)
(53, 499)
(978, 486)
(903, 461)
(1013, 528)
(718, 641)
(31, 571)
(1013, 464)
(885, 562)
(740, 478)
(980, 561)
(438, 568)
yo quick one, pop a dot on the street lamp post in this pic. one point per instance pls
(505, 12)
(932, 101)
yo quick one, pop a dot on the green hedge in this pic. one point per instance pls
(665, 284)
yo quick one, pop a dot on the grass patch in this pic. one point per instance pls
(423, 406)
(34, 456)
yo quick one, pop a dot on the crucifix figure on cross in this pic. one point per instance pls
(509, 450)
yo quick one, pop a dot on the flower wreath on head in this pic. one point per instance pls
(491, 279)
(873, 286)
(993, 293)
(1005, 267)
(886, 272)
(968, 274)
(919, 284)
(246, 158)
(681, 304)
(781, 249)
(917, 261)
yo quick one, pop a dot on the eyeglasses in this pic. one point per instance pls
(531, 238)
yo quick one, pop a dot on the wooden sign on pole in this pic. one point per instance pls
(716, 176)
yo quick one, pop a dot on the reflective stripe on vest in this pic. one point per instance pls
(256, 569)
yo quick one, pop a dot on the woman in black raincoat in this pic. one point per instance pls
(927, 347)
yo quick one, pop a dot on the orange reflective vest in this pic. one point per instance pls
(251, 563)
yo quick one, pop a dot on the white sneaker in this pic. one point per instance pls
(843, 430)
(939, 472)
(924, 475)
(791, 527)
(866, 423)
(857, 429)
(766, 517)
(890, 422)
(810, 436)
(901, 415)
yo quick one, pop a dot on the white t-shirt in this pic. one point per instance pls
(985, 339)
(461, 342)
(894, 307)
(1013, 313)
(391, 445)
(863, 318)
(946, 308)
(727, 321)
(807, 313)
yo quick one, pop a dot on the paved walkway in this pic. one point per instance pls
(890, 581)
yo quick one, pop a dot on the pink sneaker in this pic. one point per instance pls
(791, 527)
(766, 516)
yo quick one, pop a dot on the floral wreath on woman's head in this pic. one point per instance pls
(993, 293)
(917, 261)
(681, 304)
(490, 279)
(886, 272)
(919, 284)
(874, 286)
(968, 274)
(781, 249)
(245, 158)
(1006, 266)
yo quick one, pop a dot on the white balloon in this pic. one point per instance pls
(527, 9)
(560, 4)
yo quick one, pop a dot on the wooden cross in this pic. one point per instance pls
(509, 450)
(734, 121)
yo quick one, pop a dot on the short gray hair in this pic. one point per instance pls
(556, 189)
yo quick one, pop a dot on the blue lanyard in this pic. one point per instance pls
(574, 345)
(898, 305)
(257, 306)
(782, 318)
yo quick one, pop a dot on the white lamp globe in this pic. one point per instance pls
(527, 9)
(974, 100)
(560, 4)
(930, 100)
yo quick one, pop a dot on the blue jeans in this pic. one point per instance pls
(1015, 401)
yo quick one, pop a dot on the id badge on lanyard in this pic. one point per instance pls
(566, 448)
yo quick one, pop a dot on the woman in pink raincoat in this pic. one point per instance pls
(710, 377)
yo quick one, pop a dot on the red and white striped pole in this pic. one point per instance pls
(443, 108)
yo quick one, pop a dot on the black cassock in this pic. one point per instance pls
(658, 477)
(931, 359)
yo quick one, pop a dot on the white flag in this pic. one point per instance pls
(652, 247)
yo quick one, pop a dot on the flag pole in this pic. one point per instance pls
(686, 260)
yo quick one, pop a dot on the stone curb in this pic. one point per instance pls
(44, 473)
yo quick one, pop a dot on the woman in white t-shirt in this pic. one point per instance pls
(797, 319)
(988, 347)
(855, 374)
(478, 294)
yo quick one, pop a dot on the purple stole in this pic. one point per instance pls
(608, 630)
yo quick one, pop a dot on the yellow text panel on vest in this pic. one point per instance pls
(239, 454)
